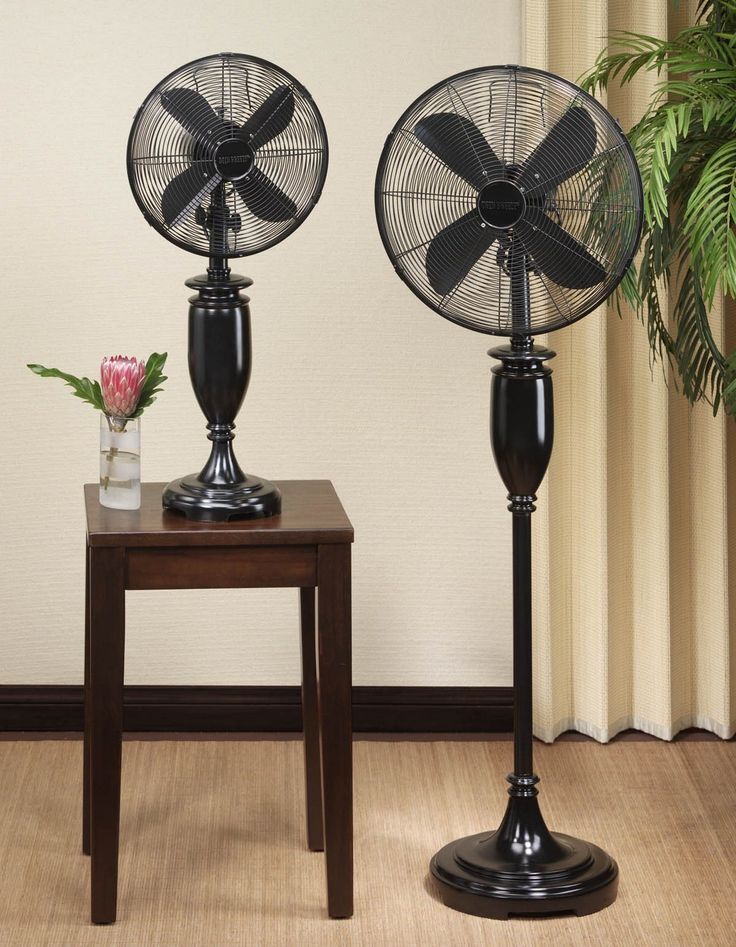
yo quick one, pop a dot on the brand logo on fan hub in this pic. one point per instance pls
(501, 204)
(233, 158)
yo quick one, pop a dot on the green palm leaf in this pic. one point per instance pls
(686, 152)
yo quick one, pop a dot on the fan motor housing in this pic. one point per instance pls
(501, 204)
(233, 158)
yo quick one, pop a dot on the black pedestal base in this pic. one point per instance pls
(254, 498)
(476, 875)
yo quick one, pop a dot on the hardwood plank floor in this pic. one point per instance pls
(213, 845)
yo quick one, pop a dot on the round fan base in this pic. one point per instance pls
(473, 876)
(254, 498)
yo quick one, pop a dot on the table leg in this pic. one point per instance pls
(310, 716)
(335, 713)
(107, 637)
(85, 765)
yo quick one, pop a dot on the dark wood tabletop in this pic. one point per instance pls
(311, 513)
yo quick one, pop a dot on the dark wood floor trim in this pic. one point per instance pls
(260, 709)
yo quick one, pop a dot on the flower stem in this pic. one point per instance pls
(114, 428)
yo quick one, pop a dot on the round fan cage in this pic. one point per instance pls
(582, 215)
(211, 112)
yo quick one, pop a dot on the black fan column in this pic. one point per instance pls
(219, 367)
(522, 868)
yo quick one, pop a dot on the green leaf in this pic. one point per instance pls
(686, 151)
(83, 388)
(152, 382)
(710, 219)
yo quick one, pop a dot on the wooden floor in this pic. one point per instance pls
(213, 849)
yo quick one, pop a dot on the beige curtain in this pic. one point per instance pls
(633, 618)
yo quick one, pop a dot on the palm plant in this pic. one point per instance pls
(685, 144)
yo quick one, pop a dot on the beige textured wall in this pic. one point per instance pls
(354, 380)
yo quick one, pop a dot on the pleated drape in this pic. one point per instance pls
(632, 558)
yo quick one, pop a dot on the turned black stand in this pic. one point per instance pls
(219, 367)
(522, 868)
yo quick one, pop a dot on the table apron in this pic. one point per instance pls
(161, 567)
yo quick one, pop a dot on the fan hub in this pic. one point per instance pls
(233, 158)
(501, 204)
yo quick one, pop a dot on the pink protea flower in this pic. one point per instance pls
(121, 379)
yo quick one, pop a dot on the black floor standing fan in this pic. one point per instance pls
(510, 202)
(226, 157)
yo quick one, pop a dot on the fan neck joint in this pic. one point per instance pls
(521, 358)
(218, 271)
(522, 343)
(217, 293)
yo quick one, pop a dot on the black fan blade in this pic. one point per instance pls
(557, 253)
(459, 143)
(455, 251)
(264, 199)
(568, 147)
(270, 118)
(194, 112)
(185, 192)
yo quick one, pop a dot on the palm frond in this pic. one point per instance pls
(710, 218)
(686, 152)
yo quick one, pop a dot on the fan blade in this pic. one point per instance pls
(455, 250)
(568, 147)
(459, 143)
(264, 199)
(194, 112)
(185, 192)
(557, 253)
(270, 118)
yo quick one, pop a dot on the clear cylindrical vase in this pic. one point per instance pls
(120, 462)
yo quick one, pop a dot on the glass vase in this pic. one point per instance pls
(120, 462)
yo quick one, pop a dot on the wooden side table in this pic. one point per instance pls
(306, 547)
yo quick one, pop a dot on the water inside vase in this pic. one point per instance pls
(120, 479)
(120, 467)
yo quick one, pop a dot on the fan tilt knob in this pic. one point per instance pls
(501, 204)
(233, 158)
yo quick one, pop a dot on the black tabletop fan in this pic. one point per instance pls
(226, 157)
(510, 202)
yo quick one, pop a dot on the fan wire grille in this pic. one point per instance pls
(418, 197)
(173, 160)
